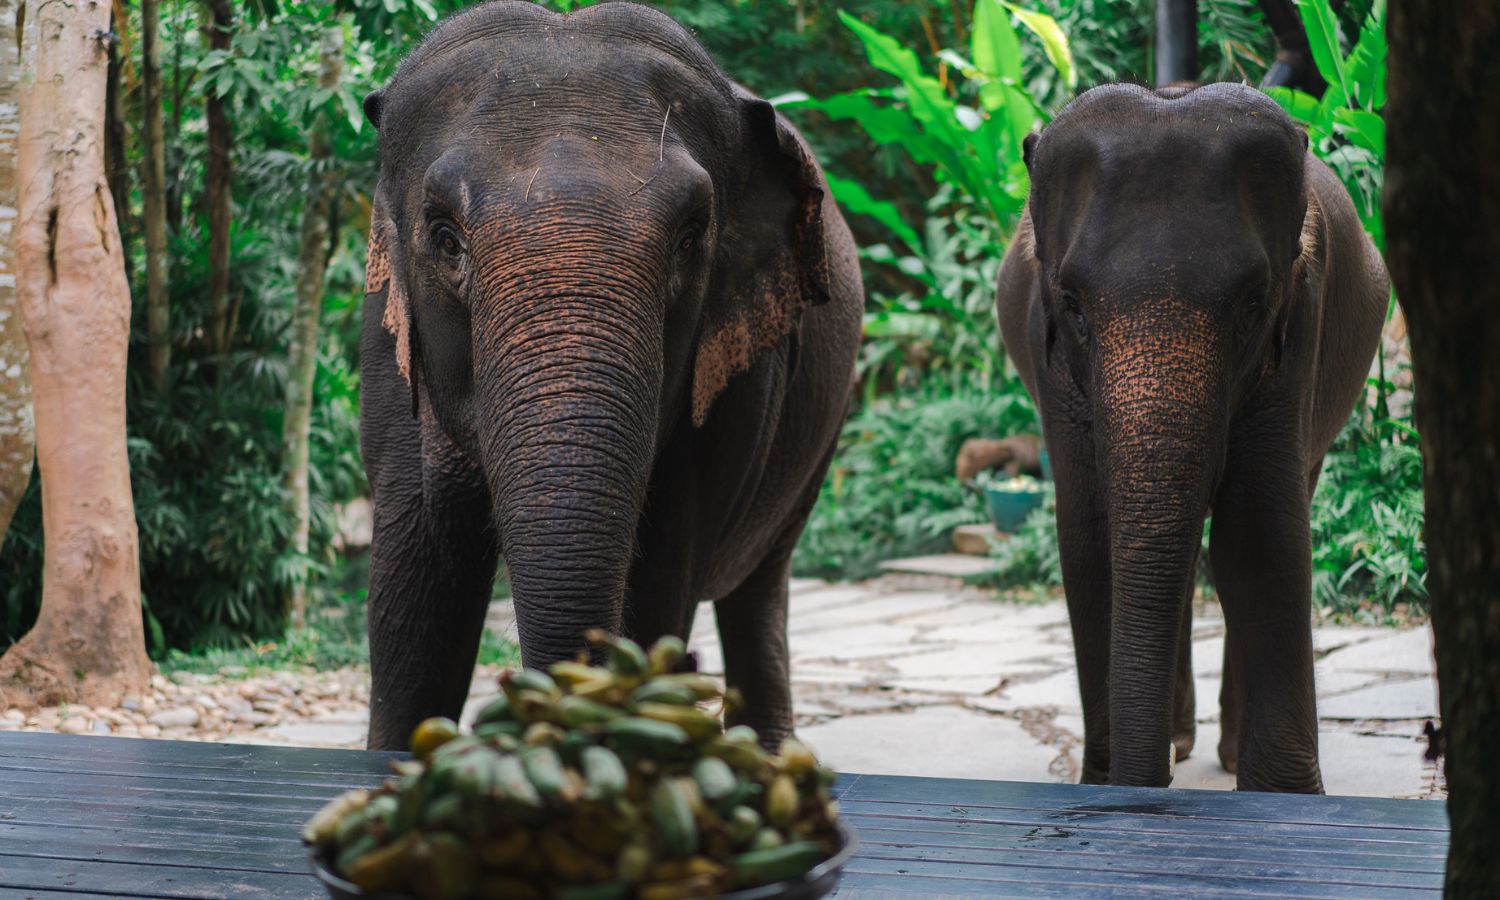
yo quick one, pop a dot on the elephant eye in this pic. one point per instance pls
(1075, 313)
(446, 244)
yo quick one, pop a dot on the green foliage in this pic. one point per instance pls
(1367, 518)
(1344, 128)
(1029, 558)
(891, 491)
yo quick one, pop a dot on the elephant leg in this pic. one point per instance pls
(1184, 693)
(752, 629)
(432, 568)
(1262, 568)
(1083, 546)
(1229, 714)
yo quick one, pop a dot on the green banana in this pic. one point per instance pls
(703, 686)
(351, 854)
(604, 772)
(672, 812)
(518, 680)
(665, 654)
(766, 839)
(697, 723)
(782, 801)
(578, 711)
(325, 824)
(497, 710)
(743, 824)
(745, 757)
(625, 656)
(715, 779)
(644, 737)
(660, 690)
(796, 760)
(571, 672)
(778, 863)
(542, 734)
(511, 781)
(545, 771)
(384, 868)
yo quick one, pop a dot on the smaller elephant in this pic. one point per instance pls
(1017, 455)
(1193, 304)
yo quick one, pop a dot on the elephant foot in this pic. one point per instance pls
(1183, 741)
(1229, 756)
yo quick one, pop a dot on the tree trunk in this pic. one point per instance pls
(16, 437)
(154, 178)
(219, 179)
(1442, 208)
(311, 264)
(88, 644)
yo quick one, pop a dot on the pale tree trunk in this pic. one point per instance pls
(16, 438)
(154, 211)
(220, 15)
(1442, 207)
(88, 644)
(311, 263)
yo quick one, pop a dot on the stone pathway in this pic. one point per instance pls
(920, 675)
(907, 675)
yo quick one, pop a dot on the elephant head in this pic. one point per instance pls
(582, 231)
(1169, 240)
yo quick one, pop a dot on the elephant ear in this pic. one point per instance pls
(382, 276)
(773, 263)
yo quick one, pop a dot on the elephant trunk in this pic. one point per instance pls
(1160, 414)
(570, 380)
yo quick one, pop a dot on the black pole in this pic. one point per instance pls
(1176, 41)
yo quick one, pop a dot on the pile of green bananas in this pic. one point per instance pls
(591, 782)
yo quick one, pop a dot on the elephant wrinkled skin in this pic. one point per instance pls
(610, 323)
(1193, 305)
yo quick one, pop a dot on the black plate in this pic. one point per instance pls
(817, 882)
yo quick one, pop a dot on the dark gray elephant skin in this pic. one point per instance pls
(610, 323)
(1193, 305)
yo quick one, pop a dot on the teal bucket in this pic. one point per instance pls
(1009, 508)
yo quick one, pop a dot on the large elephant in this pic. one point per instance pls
(1193, 305)
(610, 322)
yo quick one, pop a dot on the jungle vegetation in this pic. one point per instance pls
(241, 168)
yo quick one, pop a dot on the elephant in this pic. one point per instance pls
(1194, 307)
(611, 314)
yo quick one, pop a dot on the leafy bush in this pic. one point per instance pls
(1344, 128)
(1367, 518)
(1030, 558)
(891, 491)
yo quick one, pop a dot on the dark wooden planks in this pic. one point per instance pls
(119, 817)
(1200, 806)
(160, 879)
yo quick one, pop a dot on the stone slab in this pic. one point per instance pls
(317, 734)
(878, 608)
(976, 540)
(1416, 699)
(969, 660)
(952, 565)
(939, 741)
(863, 641)
(1404, 651)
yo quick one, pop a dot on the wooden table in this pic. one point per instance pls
(91, 816)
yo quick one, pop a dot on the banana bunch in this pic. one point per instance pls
(588, 783)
